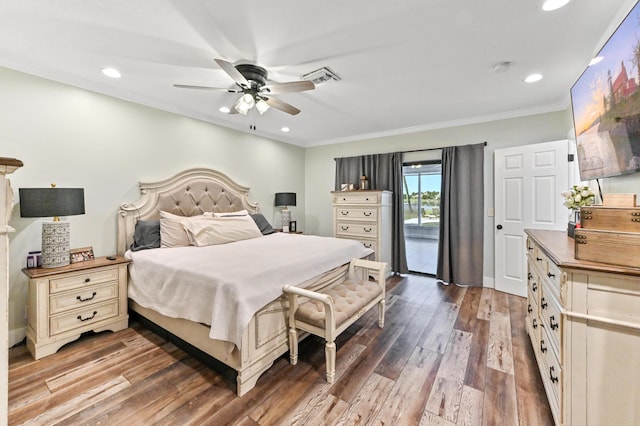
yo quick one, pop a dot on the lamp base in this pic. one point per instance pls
(55, 244)
(286, 218)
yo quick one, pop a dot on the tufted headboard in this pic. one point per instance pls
(189, 193)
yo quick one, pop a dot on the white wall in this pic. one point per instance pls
(320, 166)
(78, 138)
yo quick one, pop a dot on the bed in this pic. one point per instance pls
(254, 333)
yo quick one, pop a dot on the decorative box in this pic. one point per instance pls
(625, 219)
(613, 247)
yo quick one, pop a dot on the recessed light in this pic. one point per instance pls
(224, 109)
(111, 72)
(285, 129)
(596, 60)
(533, 78)
(550, 5)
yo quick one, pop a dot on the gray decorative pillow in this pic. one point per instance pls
(146, 235)
(263, 223)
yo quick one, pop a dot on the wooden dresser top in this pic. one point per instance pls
(560, 248)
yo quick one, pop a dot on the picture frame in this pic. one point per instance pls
(293, 226)
(81, 254)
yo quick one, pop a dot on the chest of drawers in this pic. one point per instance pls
(364, 216)
(68, 301)
(583, 319)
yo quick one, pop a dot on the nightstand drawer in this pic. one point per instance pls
(359, 214)
(356, 229)
(82, 280)
(82, 297)
(83, 317)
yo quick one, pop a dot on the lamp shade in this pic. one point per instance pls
(285, 199)
(53, 202)
(50, 202)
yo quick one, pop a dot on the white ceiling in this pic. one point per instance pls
(406, 65)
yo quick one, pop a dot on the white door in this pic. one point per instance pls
(527, 186)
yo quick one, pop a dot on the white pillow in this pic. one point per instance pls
(220, 230)
(172, 233)
(225, 214)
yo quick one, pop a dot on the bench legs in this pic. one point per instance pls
(293, 345)
(381, 313)
(330, 360)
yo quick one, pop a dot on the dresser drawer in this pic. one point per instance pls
(365, 242)
(610, 218)
(83, 317)
(359, 214)
(356, 229)
(81, 280)
(552, 373)
(82, 297)
(550, 316)
(357, 198)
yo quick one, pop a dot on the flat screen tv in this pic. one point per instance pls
(606, 105)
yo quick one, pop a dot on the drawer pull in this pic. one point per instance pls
(543, 303)
(368, 229)
(551, 376)
(543, 348)
(88, 318)
(529, 275)
(635, 214)
(343, 213)
(86, 280)
(587, 217)
(367, 199)
(549, 274)
(635, 220)
(529, 308)
(367, 214)
(88, 298)
(534, 323)
(534, 287)
(344, 228)
(367, 245)
(539, 259)
(529, 248)
(554, 325)
(586, 211)
(581, 242)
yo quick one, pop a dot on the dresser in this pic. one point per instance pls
(583, 319)
(365, 216)
(68, 301)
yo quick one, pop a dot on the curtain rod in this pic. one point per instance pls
(430, 149)
(414, 150)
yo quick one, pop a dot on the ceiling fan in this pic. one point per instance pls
(251, 82)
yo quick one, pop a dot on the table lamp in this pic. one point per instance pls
(53, 202)
(285, 199)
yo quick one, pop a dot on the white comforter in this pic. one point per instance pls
(225, 285)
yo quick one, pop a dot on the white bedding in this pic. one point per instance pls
(225, 285)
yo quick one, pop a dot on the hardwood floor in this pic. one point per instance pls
(446, 356)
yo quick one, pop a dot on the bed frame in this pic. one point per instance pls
(191, 193)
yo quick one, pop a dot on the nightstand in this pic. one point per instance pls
(68, 301)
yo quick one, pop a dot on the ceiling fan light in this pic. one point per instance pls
(262, 106)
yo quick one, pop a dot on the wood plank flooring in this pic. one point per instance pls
(446, 356)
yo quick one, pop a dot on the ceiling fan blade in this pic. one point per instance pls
(230, 69)
(292, 86)
(187, 86)
(282, 106)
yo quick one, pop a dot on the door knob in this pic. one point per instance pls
(499, 226)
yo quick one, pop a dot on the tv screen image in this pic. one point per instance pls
(606, 105)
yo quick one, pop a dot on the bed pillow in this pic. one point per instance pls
(220, 230)
(226, 214)
(146, 235)
(263, 224)
(172, 233)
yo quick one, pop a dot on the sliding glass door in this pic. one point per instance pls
(422, 215)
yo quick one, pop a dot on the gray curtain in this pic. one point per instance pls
(384, 172)
(460, 249)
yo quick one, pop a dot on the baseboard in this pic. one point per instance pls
(488, 282)
(17, 336)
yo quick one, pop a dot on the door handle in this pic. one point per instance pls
(499, 226)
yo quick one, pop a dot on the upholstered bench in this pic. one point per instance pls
(328, 312)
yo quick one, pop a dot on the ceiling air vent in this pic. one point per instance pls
(321, 76)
